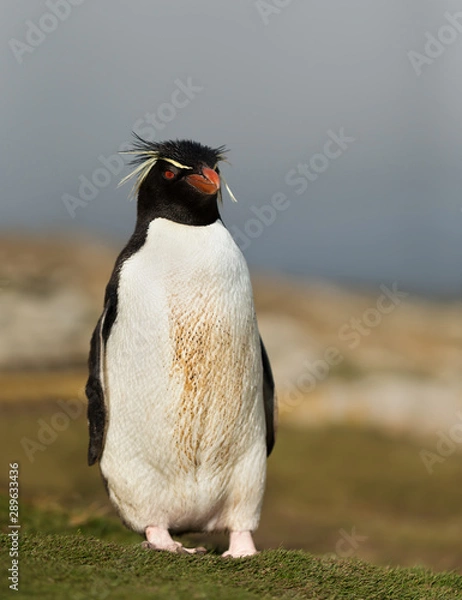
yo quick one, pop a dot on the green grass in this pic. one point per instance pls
(322, 484)
(82, 567)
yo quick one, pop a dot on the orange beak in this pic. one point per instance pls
(207, 183)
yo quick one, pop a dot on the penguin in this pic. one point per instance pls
(181, 398)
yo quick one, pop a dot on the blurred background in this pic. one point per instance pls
(343, 125)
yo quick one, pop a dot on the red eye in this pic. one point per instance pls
(169, 174)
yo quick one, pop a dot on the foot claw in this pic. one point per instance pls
(177, 548)
(200, 551)
(239, 554)
(174, 548)
(147, 546)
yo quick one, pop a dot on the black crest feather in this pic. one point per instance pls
(182, 153)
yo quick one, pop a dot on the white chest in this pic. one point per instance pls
(183, 360)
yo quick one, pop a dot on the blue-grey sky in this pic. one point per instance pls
(346, 116)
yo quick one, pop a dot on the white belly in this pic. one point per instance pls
(185, 444)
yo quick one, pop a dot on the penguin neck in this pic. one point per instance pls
(196, 213)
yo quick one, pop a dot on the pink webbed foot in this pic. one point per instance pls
(240, 545)
(159, 539)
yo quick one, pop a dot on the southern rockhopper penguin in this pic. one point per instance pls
(181, 401)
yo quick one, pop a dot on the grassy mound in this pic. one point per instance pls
(78, 566)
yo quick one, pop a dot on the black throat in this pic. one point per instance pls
(197, 212)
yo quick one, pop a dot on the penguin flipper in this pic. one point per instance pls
(96, 411)
(269, 400)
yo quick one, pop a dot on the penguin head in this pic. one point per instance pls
(178, 179)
